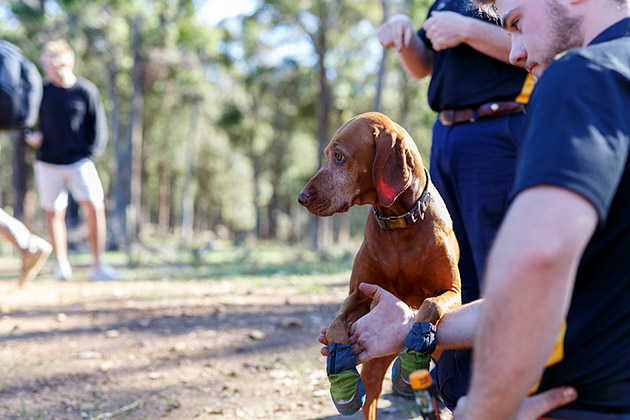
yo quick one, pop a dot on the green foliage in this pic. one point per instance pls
(253, 83)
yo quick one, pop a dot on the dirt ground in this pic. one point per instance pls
(212, 349)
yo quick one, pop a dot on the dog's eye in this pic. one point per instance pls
(338, 157)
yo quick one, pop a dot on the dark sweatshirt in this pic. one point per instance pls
(73, 122)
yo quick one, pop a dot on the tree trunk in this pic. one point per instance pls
(297, 217)
(381, 69)
(342, 229)
(20, 173)
(284, 134)
(257, 169)
(134, 145)
(117, 235)
(321, 240)
(164, 199)
(188, 201)
(272, 215)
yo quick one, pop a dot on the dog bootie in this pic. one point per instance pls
(419, 345)
(346, 387)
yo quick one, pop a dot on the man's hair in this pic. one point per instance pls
(59, 48)
(488, 7)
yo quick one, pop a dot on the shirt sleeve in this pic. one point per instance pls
(97, 124)
(576, 132)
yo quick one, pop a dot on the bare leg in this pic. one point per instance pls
(14, 230)
(34, 250)
(58, 234)
(97, 230)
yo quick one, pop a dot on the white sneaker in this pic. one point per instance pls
(104, 272)
(63, 271)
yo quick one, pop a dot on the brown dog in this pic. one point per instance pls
(409, 247)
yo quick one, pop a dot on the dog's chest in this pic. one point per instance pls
(413, 290)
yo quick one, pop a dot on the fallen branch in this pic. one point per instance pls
(117, 412)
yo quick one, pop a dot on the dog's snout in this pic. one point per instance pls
(302, 198)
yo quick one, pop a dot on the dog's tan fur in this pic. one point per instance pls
(373, 160)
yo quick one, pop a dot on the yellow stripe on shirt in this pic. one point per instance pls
(526, 91)
(556, 356)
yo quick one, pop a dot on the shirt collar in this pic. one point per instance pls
(618, 30)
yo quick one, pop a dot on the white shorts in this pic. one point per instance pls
(54, 182)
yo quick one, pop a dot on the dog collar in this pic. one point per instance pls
(412, 216)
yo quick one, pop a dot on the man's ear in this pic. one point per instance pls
(391, 170)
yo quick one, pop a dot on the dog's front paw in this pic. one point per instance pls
(419, 345)
(346, 387)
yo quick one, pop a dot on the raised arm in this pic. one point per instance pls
(450, 29)
(416, 58)
(97, 134)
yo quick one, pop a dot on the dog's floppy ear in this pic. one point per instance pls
(391, 169)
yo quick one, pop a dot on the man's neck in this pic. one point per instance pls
(608, 13)
(66, 80)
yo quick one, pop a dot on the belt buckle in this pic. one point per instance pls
(443, 120)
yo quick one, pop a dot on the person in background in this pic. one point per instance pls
(73, 133)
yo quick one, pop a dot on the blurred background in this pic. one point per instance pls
(218, 113)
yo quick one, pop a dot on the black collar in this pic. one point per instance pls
(412, 216)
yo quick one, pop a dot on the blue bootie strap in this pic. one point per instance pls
(422, 338)
(340, 358)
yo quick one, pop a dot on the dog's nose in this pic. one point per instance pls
(302, 198)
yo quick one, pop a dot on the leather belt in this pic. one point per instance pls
(491, 109)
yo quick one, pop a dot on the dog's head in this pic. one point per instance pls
(370, 160)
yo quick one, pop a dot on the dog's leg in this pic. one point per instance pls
(352, 308)
(346, 387)
(372, 375)
(414, 358)
(433, 308)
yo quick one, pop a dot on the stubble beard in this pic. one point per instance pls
(565, 32)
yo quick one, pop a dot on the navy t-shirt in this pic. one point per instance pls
(73, 122)
(577, 136)
(464, 77)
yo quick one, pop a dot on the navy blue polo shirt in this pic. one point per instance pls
(464, 77)
(73, 122)
(577, 136)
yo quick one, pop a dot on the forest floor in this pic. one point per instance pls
(215, 340)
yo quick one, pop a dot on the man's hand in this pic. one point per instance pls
(34, 139)
(446, 29)
(532, 407)
(381, 331)
(322, 339)
(396, 32)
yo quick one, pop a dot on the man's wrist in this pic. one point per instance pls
(467, 29)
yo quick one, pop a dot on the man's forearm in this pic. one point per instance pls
(99, 138)
(456, 329)
(489, 39)
(416, 59)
